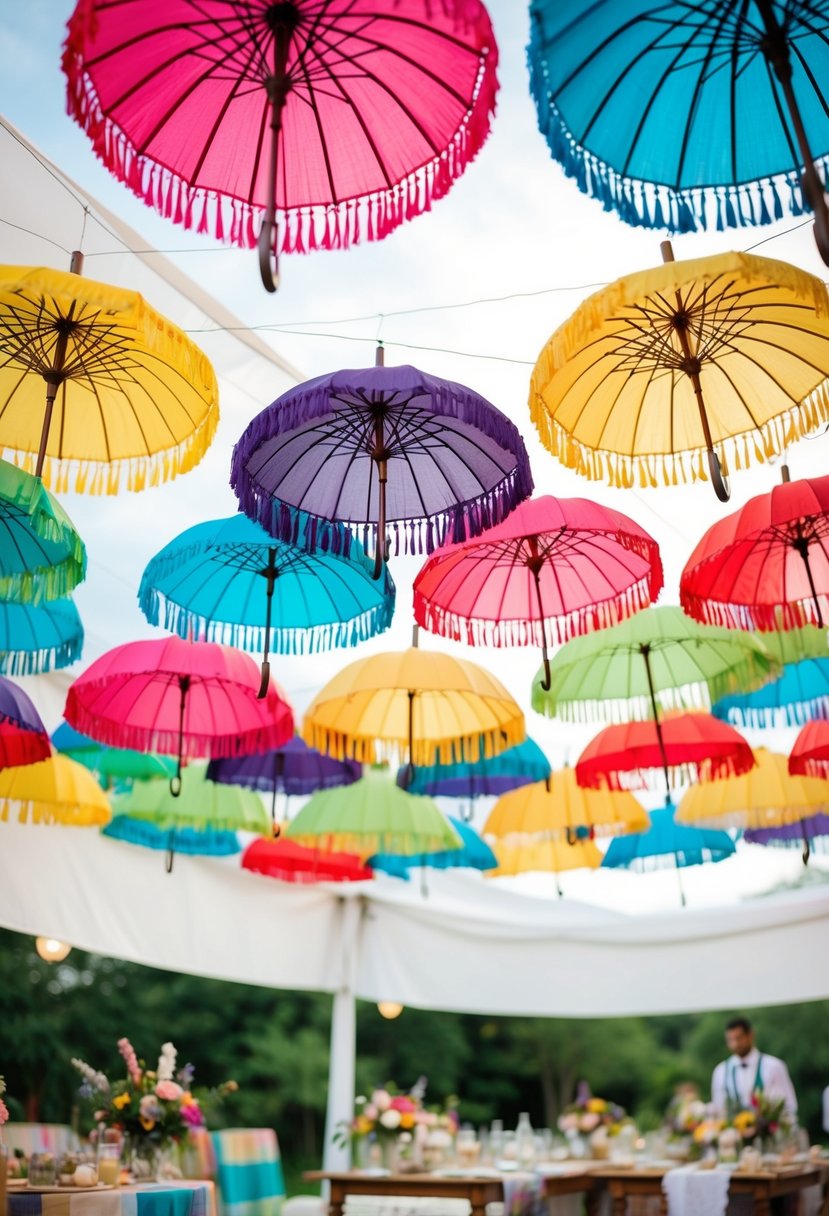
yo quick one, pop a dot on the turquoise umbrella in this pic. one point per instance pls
(474, 854)
(800, 694)
(228, 580)
(668, 843)
(42, 557)
(205, 842)
(490, 776)
(39, 637)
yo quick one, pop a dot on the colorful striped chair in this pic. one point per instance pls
(248, 1172)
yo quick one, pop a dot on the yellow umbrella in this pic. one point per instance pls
(553, 856)
(57, 790)
(94, 381)
(416, 705)
(680, 372)
(767, 796)
(560, 806)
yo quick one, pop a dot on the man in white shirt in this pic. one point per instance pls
(747, 1071)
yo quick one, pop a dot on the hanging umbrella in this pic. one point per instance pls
(73, 744)
(372, 816)
(201, 805)
(291, 862)
(56, 790)
(668, 843)
(490, 777)
(388, 450)
(473, 854)
(767, 796)
(417, 705)
(674, 373)
(228, 581)
(23, 737)
(127, 394)
(801, 692)
(812, 832)
(113, 765)
(342, 119)
(765, 566)
(559, 807)
(545, 857)
(41, 555)
(694, 747)
(193, 842)
(810, 753)
(657, 660)
(35, 638)
(686, 116)
(185, 699)
(554, 569)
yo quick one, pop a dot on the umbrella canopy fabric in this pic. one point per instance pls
(811, 831)
(767, 796)
(202, 804)
(668, 843)
(111, 764)
(561, 807)
(35, 638)
(800, 693)
(390, 451)
(554, 569)
(415, 705)
(227, 580)
(490, 777)
(672, 113)
(659, 659)
(23, 737)
(344, 118)
(810, 753)
(127, 395)
(689, 747)
(290, 862)
(195, 842)
(186, 699)
(373, 816)
(544, 856)
(686, 371)
(56, 790)
(294, 769)
(41, 555)
(474, 854)
(765, 566)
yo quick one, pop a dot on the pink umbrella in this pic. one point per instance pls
(186, 699)
(345, 117)
(556, 568)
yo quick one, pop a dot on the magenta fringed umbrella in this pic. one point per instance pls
(406, 459)
(341, 117)
(557, 568)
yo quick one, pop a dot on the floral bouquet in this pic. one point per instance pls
(4, 1110)
(763, 1120)
(152, 1108)
(685, 1113)
(395, 1120)
(587, 1114)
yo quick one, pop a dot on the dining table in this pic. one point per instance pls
(624, 1185)
(181, 1197)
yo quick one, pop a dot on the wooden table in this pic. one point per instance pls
(478, 1190)
(624, 1184)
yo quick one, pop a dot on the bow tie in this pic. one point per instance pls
(743, 1063)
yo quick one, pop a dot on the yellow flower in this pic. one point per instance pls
(187, 1098)
(597, 1106)
(147, 1124)
(406, 1120)
(744, 1120)
(121, 1101)
(364, 1125)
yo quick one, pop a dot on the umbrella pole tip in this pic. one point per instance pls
(264, 680)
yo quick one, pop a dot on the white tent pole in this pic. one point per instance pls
(341, 1066)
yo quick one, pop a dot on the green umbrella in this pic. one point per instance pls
(41, 555)
(658, 659)
(202, 804)
(112, 765)
(794, 645)
(373, 816)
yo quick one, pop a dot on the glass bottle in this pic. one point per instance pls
(525, 1140)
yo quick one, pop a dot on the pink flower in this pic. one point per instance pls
(131, 1060)
(370, 1111)
(192, 1114)
(168, 1091)
(381, 1098)
(4, 1112)
(588, 1122)
(405, 1105)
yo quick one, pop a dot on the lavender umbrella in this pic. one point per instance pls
(23, 737)
(382, 449)
(810, 833)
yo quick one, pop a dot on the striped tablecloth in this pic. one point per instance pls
(154, 1199)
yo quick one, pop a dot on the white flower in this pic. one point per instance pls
(166, 1070)
(2, 1086)
(95, 1080)
(390, 1119)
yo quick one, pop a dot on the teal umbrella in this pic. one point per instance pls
(39, 637)
(474, 854)
(113, 765)
(204, 842)
(42, 557)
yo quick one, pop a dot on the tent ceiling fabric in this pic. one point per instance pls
(470, 946)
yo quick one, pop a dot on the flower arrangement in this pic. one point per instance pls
(763, 1120)
(4, 1110)
(401, 1123)
(587, 1114)
(685, 1113)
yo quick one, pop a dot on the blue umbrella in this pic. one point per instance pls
(228, 580)
(685, 116)
(39, 637)
(474, 854)
(800, 694)
(668, 843)
(206, 842)
(495, 775)
(41, 555)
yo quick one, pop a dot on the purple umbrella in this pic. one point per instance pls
(23, 737)
(805, 832)
(295, 768)
(389, 450)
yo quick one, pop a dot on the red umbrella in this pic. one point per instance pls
(810, 754)
(344, 117)
(556, 568)
(685, 746)
(186, 699)
(765, 566)
(296, 863)
(23, 737)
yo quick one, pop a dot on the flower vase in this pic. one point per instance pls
(145, 1158)
(388, 1151)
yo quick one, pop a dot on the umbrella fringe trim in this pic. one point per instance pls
(301, 229)
(650, 470)
(680, 774)
(554, 630)
(343, 745)
(34, 811)
(643, 204)
(45, 584)
(42, 659)
(769, 717)
(768, 618)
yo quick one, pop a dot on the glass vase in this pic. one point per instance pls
(144, 1158)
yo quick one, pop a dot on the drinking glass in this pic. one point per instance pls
(42, 1169)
